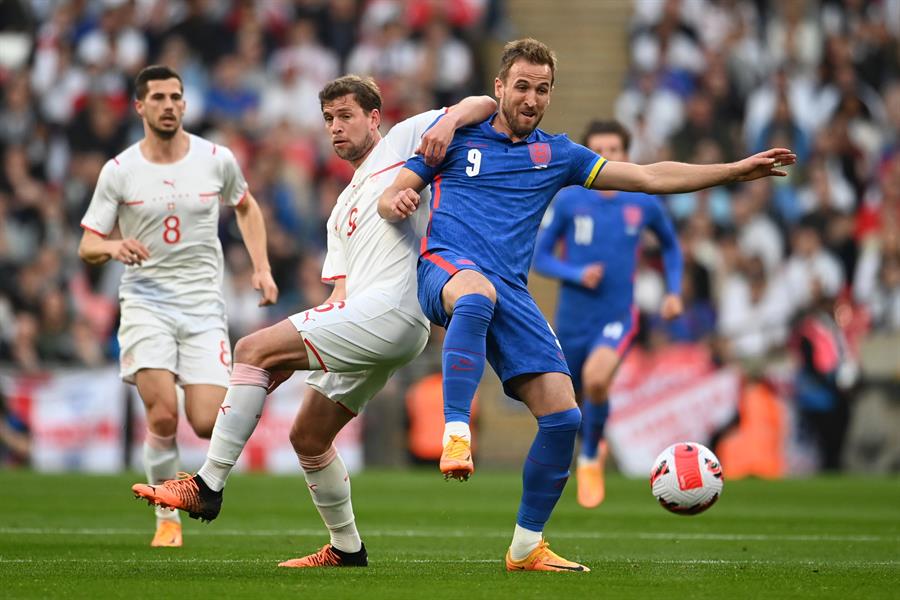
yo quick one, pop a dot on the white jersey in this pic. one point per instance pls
(374, 255)
(173, 210)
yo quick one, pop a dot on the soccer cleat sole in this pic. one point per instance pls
(460, 475)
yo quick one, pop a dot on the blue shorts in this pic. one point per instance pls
(579, 342)
(519, 339)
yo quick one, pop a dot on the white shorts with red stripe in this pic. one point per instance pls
(193, 347)
(355, 345)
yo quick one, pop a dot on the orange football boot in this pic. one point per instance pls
(188, 493)
(168, 534)
(456, 460)
(329, 556)
(590, 479)
(543, 558)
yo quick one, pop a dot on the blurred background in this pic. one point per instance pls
(786, 361)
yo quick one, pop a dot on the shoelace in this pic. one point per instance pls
(459, 448)
(185, 488)
(325, 557)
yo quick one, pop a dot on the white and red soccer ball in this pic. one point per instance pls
(686, 478)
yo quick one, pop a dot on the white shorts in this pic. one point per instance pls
(358, 344)
(195, 348)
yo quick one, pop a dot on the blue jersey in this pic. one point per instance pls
(594, 228)
(490, 193)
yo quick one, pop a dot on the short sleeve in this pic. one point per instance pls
(335, 264)
(103, 210)
(584, 165)
(404, 137)
(234, 186)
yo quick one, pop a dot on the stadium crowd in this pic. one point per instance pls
(708, 81)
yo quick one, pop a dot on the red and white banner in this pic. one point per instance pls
(77, 422)
(75, 419)
(665, 397)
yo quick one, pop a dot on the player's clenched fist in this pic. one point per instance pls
(400, 205)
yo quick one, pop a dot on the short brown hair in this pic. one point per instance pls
(153, 73)
(529, 49)
(598, 127)
(364, 90)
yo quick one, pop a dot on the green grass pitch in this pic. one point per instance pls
(73, 536)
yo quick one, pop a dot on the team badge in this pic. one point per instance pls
(540, 154)
(633, 216)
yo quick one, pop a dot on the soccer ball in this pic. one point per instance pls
(686, 478)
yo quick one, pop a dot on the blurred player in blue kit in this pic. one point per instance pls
(596, 319)
(488, 197)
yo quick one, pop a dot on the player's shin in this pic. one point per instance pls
(238, 416)
(161, 464)
(463, 360)
(544, 477)
(329, 486)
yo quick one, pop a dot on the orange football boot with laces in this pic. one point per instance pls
(188, 493)
(329, 556)
(456, 460)
(543, 558)
(168, 534)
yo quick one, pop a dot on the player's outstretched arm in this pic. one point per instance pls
(467, 111)
(95, 250)
(401, 198)
(253, 231)
(676, 178)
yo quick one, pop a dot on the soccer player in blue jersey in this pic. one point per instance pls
(596, 320)
(488, 197)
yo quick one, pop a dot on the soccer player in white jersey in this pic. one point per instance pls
(162, 194)
(370, 325)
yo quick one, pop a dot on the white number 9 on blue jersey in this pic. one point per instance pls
(474, 158)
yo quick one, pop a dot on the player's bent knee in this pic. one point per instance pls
(306, 442)
(249, 350)
(162, 422)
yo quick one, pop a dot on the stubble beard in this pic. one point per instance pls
(352, 153)
(511, 120)
(164, 134)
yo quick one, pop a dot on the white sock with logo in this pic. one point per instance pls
(329, 486)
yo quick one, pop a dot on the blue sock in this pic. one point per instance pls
(547, 467)
(463, 354)
(593, 425)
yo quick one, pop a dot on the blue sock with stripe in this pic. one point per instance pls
(463, 354)
(593, 426)
(547, 467)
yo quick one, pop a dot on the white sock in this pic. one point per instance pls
(237, 419)
(457, 428)
(584, 460)
(523, 542)
(329, 488)
(161, 464)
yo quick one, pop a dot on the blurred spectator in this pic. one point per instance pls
(826, 372)
(754, 310)
(877, 282)
(811, 270)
